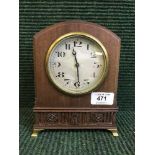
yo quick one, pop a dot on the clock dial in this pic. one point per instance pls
(77, 63)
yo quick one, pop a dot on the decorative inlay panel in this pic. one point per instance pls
(75, 118)
(52, 117)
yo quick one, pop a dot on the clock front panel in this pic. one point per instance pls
(76, 64)
(78, 58)
(58, 82)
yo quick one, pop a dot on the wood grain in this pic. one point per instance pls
(49, 98)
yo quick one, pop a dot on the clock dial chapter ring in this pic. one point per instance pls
(81, 52)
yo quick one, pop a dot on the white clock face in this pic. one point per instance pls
(77, 64)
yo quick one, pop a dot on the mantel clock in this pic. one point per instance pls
(76, 67)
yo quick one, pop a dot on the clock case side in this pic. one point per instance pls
(35, 74)
(51, 106)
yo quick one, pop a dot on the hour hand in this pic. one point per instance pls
(77, 84)
(74, 52)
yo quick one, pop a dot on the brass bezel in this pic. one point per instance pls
(105, 57)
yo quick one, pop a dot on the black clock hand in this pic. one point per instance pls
(77, 84)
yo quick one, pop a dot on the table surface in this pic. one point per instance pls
(75, 142)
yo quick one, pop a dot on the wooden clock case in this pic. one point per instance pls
(56, 110)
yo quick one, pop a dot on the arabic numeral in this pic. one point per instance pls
(67, 46)
(77, 43)
(87, 46)
(61, 54)
(60, 74)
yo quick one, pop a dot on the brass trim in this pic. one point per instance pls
(105, 57)
(114, 132)
(35, 132)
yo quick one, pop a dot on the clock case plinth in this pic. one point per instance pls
(56, 110)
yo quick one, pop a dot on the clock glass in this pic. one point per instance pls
(77, 63)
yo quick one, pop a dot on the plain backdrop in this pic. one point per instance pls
(145, 77)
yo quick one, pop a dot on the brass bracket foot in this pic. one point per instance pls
(35, 132)
(114, 132)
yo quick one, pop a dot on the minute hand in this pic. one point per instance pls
(77, 64)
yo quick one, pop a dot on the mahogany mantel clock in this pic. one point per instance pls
(76, 73)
